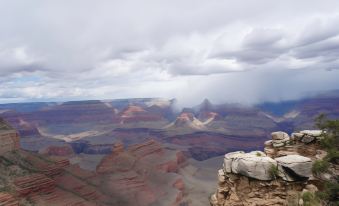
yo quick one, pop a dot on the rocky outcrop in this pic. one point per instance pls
(277, 176)
(239, 190)
(299, 143)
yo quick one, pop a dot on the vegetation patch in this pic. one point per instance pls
(274, 171)
(330, 143)
(310, 199)
(320, 166)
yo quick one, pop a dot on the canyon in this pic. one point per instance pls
(136, 151)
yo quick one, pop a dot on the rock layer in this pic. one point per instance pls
(9, 138)
(8, 200)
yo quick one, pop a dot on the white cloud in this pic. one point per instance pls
(109, 49)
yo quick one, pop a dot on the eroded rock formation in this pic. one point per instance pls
(145, 173)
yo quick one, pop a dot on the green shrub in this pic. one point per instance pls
(258, 154)
(332, 155)
(320, 166)
(310, 199)
(330, 142)
(329, 194)
(274, 171)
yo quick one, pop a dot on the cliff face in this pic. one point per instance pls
(32, 179)
(278, 176)
(144, 173)
(9, 138)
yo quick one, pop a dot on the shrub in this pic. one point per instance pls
(258, 154)
(330, 142)
(310, 199)
(330, 192)
(320, 166)
(332, 155)
(274, 171)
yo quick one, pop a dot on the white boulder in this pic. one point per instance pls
(256, 167)
(279, 139)
(254, 164)
(296, 136)
(279, 135)
(311, 135)
(314, 133)
(292, 167)
(229, 158)
(307, 139)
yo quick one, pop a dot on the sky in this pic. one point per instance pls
(224, 50)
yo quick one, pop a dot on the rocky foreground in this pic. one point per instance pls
(278, 176)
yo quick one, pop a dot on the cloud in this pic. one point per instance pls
(82, 49)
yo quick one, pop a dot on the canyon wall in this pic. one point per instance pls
(9, 138)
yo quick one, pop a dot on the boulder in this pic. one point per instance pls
(307, 139)
(294, 167)
(279, 135)
(256, 167)
(229, 158)
(236, 159)
(314, 133)
(279, 139)
(254, 164)
(296, 136)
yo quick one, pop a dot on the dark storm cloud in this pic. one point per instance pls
(263, 46)
(107, 49)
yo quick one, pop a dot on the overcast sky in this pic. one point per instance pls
(228, 51)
